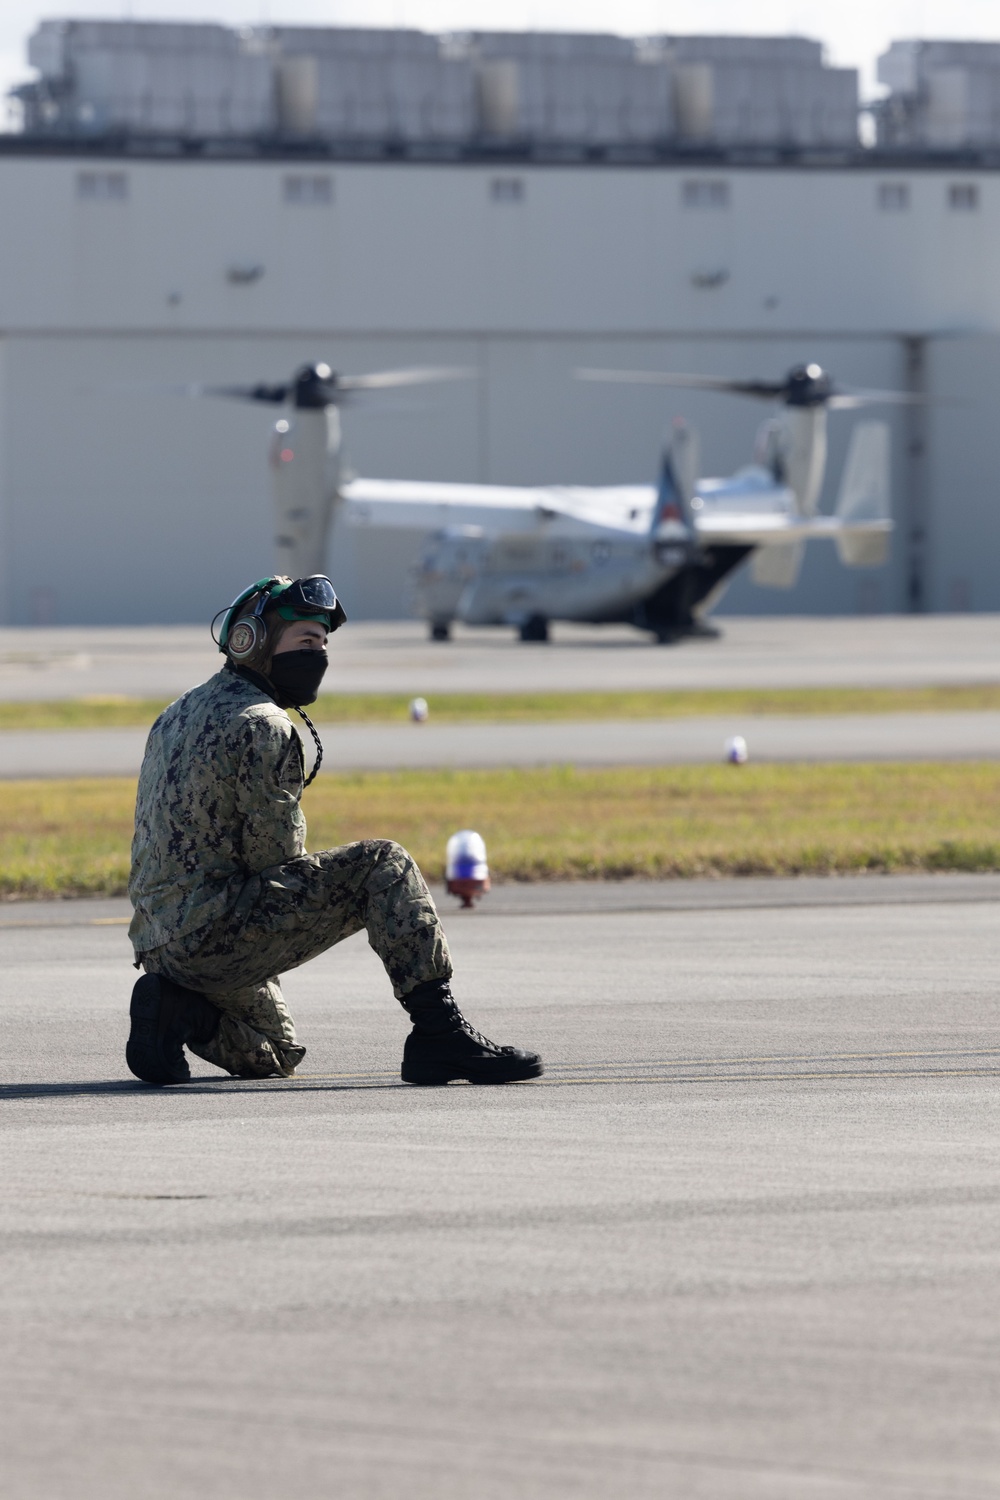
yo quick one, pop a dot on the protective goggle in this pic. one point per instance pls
(309, 596)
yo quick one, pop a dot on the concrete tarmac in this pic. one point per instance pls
(742, 1240)
(652, 742)
(150, 661)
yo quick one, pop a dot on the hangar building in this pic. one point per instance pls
(190, 204)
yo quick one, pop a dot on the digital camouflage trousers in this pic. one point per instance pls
(285, 916)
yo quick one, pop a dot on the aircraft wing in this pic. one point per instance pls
(429, 507)
(423, 506)
(433, 506)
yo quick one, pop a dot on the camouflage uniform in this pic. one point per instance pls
(225, 896)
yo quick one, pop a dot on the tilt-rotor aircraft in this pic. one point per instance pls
(653, 556)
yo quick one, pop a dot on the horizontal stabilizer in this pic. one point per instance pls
(777, 567)
(864, 497)
(864, 549)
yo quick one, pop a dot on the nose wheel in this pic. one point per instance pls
(440, 630)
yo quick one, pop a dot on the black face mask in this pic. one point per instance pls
(297, 675)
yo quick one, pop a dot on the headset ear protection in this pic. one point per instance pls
(245, 639)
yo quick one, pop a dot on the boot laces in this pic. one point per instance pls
(477, 1036)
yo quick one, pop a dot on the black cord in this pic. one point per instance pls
(211, 629)
(318, 742)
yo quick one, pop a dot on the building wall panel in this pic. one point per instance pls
(432, 248)
(126, 501)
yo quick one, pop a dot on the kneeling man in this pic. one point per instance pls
(225, 896)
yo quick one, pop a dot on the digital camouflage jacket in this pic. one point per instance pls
(217, 803)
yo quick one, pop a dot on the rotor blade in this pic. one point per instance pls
(274, 394)
(851, 400)
(383, 380)
(767, 390)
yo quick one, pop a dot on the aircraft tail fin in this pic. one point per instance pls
(678, 477)
(864, 496)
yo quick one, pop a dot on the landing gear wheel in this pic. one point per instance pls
(667, 636)
(535, 628)
(440, 630)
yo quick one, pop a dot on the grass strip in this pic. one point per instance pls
(68, 838)
(538, 708)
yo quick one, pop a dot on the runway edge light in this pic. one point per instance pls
(419, 710)
(467, 874)
(736, 751)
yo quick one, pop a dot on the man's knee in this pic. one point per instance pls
(388, 862)
(394, 887)
(388, 851)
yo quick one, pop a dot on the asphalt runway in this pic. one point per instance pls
(362, 747)
(742, 1240)
(149, 661)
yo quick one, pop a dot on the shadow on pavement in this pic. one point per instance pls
(132, 1086)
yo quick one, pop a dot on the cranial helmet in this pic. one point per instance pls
(258, 617)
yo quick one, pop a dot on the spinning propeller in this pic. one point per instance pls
(804, 385)
(315, 387)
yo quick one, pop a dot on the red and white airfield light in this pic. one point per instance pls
(735, 750)
(467, 875)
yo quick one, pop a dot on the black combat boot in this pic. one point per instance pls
(443, 1046)
(164, 1017)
